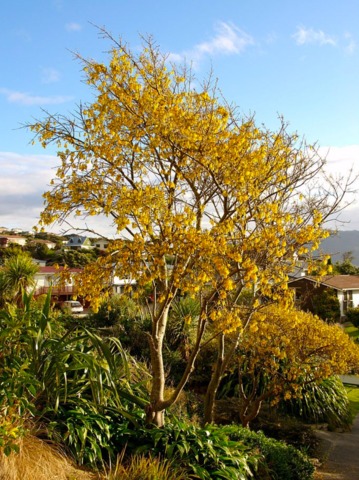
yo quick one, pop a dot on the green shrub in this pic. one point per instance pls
(114, 311)
(352, 315)
(207, 453)
(227, 452)
(326, 402)
(282, 461)
(68, 380)
(326, 305)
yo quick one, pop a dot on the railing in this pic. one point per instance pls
(56, 290)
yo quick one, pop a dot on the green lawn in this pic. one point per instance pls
(353, 395)
(352, 331)
(353, 392)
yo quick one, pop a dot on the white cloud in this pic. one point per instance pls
(24, 98)
(229, 40)
(305, 36)
(23, 180)
(25, 173)
(50, 75)
(342, 161)
(73, 27)
(351, 45)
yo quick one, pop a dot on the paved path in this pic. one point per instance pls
(340, 453)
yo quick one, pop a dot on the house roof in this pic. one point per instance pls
(78, 240)
(339, 282)
(40, 241)
(13, 236)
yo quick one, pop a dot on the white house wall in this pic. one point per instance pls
(341, 299)
(355, 297)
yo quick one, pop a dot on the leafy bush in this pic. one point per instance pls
(326, 402)
(68, 378)
(88, 431)
(352, 315)
(207, 453)
(227, 452)
(326, 305)
(115, 310)
(282, 461)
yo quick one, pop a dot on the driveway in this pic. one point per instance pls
(339, 453)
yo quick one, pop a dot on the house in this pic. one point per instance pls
(119, 284)
(49, 278)
(6, 240)
(77, 242)
(37, 241)
(346, 288)
(101, 243)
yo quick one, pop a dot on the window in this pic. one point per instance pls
(347, 300)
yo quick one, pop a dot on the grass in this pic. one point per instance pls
(352, 331)
(353, 395)
(352, 391)
(41, 461)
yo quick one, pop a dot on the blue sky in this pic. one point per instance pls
(298, 59)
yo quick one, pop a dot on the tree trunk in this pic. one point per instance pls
(155, 411)
(210, 399)
(249, 411)
(156, 418)
(220, 368)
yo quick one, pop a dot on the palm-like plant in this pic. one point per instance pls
(48, 373)
(17, 275)
(183, 315)
(324, 402)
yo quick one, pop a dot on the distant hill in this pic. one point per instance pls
(342, 242)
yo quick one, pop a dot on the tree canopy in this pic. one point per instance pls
(180, 174)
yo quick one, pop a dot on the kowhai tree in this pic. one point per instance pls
(181, 175)
(285, 349)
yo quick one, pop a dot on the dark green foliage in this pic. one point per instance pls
(40, 251)
(72, 258)
(326, 402)
(207, 453)
(346, 267)
(352, 315)
(228, 452)
(117, 310)
(89, 430)
(120, 316)
(183, 315)
(326, 305)
(282, 461)
(72, 379)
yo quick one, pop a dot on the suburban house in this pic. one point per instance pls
(119, 284)
(101, 243)
(49, 278)
(37, 241)
(77, 242)
(6, 240)
(62, 290)
(346, 288)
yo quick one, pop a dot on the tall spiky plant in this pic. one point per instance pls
(17, 275)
